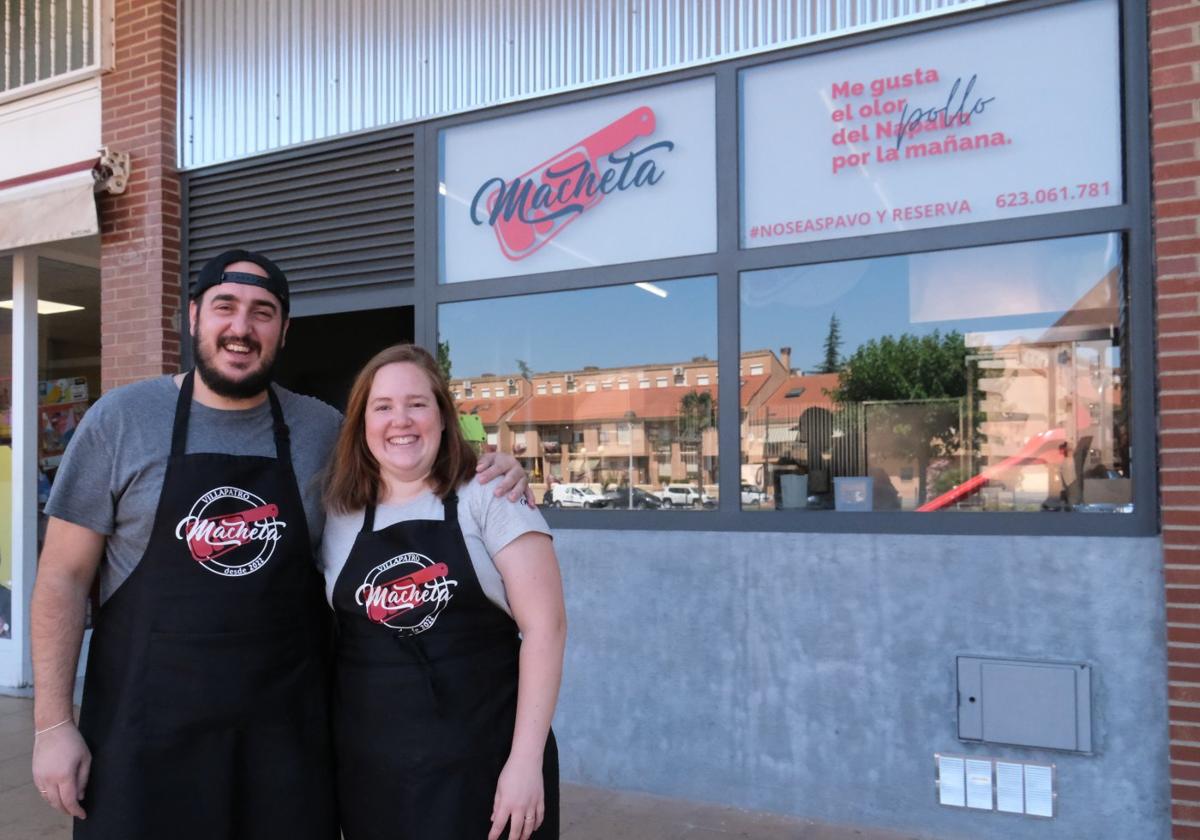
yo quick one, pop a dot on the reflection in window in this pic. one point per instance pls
(601, 444)
(988, 379)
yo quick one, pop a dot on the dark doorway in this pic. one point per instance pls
(324, 352)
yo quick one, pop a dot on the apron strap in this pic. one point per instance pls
(283, 437)
(183, 407)
(368, 519)
(183, 410)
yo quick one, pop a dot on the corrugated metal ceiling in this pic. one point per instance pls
(265, 75)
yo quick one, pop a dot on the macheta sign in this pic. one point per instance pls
(644, 159)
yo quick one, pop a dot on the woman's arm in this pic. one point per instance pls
(529, 569)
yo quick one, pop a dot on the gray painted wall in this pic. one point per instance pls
(814, 674)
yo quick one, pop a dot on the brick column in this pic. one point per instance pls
(139, 230)
(1174, 91)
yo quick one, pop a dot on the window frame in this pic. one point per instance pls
(1130, 219)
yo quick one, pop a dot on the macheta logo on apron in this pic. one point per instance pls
(407, 593)
(233, 525)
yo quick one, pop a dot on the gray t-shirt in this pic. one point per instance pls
(488, 524)
(112, 473)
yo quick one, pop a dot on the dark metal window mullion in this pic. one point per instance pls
(729, 443)
(1139, 266)
(425, 237)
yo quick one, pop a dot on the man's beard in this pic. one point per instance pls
(251, 385)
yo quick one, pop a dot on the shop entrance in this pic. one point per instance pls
(324, 352)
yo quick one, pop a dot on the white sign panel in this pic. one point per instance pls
(617, 179)
(1013, 116)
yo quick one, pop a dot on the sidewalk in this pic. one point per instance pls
(587, 813)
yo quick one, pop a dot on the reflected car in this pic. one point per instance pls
(575, 496)
(618, 499)
(682, 495)
(751, 495)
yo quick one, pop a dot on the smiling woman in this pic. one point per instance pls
(451, 619)
(403, 427)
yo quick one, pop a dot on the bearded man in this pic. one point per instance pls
(196, 500)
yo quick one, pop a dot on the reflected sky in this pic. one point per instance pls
(991, 289)
(613, 326)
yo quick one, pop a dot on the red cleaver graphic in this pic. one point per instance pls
(519, 239)
(202, 549)
(380, 612)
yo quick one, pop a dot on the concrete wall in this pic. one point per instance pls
(814, 674)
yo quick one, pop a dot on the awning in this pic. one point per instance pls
(782, 435)
(47, 209)
(472, 428)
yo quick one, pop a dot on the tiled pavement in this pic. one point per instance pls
(587, 813)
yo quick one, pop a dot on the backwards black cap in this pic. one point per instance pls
(214, 273)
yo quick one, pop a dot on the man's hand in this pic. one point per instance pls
(515, 482)
(61, 763)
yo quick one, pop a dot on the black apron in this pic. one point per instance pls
(205, 702)
(425, 697)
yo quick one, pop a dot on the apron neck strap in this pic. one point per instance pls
(449, 505)
(183, 410)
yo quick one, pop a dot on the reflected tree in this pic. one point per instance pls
(833, 347)
(443, 358)
(697, 412)
(928, 375)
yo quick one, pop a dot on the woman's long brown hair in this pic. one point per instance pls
(354, 478)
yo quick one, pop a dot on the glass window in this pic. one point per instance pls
(579, 185)
(68, 357)
(884, 138)
(605, 447)
(989, 379)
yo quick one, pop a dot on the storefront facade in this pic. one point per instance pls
(828, 336)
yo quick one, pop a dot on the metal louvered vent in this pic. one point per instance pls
(334, 216)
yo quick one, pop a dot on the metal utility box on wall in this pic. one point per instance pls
(1028, 704)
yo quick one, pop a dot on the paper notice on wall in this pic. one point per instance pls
(951, 787)
(1010, 795)
(979, 784)
(1039, 790)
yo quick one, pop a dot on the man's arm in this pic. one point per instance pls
(68, 565)
(515, 483)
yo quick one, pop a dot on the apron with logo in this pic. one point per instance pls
(425, 696)
(205, 700)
